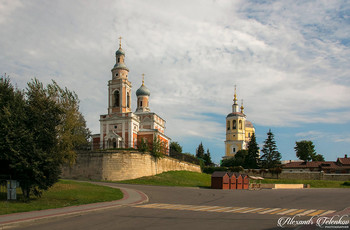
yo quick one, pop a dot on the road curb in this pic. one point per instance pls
(130, 197)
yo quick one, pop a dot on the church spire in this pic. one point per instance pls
(235, 105)
(242, 108)
(120, 42)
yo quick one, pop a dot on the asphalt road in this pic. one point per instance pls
(145, 217)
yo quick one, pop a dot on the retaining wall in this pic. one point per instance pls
(122, 165)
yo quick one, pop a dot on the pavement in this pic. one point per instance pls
(131, 197)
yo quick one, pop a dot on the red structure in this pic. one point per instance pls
(233, 180)
(245, 181)
(220, 180)
(239, 182)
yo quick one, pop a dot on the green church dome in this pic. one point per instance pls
(143, 91)
(120, 51)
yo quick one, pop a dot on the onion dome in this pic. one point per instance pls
(120, 51)
(143, 91)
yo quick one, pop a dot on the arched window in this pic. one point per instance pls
(140, 103)
(248, 134)
(234, 150)
(240, 124)
(234, 124)
(118, 60)
(228, 125)
(116, 98)
(128, 100)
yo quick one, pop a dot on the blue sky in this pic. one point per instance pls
(289, 60)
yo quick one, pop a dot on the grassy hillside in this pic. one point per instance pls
(193, 179)
(174, 178)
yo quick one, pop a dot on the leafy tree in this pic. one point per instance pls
(175, 148)
(15, 135)
(271, 158)
(207, 158)
(200, 151)
(41, 130)
(253, 154)
(237, 160)
(305, 150)
(318, 157)
(142, 146)
(158, 148)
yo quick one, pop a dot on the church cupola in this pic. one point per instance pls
(143, 94)
(120, 70)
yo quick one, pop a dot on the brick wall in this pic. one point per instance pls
(122, 165)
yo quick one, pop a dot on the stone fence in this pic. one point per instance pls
(302, 175)
(119, 165)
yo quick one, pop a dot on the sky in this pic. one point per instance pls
(289, 59)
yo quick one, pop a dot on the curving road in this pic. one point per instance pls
(196, 208)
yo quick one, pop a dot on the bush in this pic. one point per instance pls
(346, 183)
(185, 157)
(211, 169)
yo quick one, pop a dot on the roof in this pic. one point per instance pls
(315, 164)
(236, 114)
(344, 161)
(120, 66)
(218, 174)
(249, 124)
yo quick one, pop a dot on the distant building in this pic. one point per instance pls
(120, 127)
(342, 165)
(238, 130)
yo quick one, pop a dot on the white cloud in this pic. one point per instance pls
(289, 59)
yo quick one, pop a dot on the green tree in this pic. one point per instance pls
(72, 131)
(318, 157)
(271, 158)
(251, 160)
(142, 146)
(238, 160)
(35, 128)
(15, 135)
(175, 148)
(305, 150)
(200, 151)
(158, 148)
(207, 158)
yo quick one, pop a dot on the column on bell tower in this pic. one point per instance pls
(119, 88)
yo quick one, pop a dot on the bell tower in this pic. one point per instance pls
(119, 88)
(235, 129)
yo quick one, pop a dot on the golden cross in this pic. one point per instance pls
(143, 79)
(120, 42)
(235, 96)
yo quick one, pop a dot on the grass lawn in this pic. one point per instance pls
(174, 178)
(62, 194)
(193, 179)
(313, 183)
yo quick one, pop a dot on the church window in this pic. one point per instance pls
(116, 98)
(228, 125)
(118, 60)
(240, 124)
(140, 103)
(234, 150)
(128, 100)
(248, 134)
(116, 74)
(234, 124)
